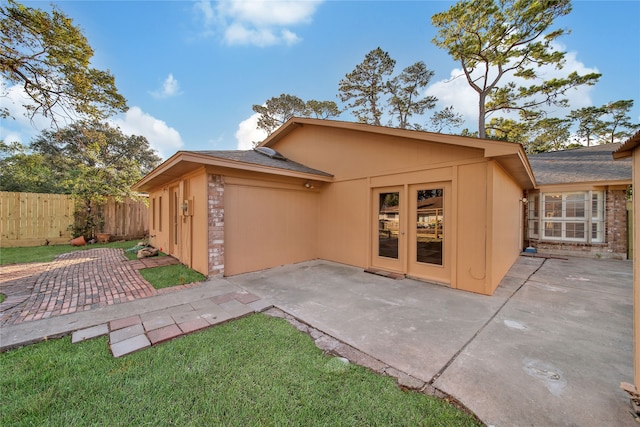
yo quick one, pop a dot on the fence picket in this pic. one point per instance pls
(32, 219)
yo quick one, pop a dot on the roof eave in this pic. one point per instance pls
(192, 161)
(559, 185)
(626, 150)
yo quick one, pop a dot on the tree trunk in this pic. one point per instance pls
(482, 132)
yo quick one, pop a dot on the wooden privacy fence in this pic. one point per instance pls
(33, 219)
(30, 219)
(128, 219)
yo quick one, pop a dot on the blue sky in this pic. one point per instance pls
(192, 70)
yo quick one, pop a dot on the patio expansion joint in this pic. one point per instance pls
(479, 331)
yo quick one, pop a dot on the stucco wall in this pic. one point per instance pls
(343, 222)
(191, 247)
(506, 213)
(471, 256)
(636, 267)
(268, 226)
(353, 155)
(159, 227)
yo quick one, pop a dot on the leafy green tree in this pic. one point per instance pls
(493, 39)
(277, 111)
(510, 130)
(619, 126)
(322, 109)
(590, 123)
(445, 119)
(50, 58)
(97, 161)
(548, 134)
(363, 87)
(26, 172)
(405, 98)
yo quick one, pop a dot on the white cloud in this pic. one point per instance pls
(248, 133)
(162, 138)
(9, 137)
(21, 126)
(170, 87)
(255, 22)
(456, 91)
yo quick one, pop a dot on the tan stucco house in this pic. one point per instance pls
(579, 205)
(631, 150)
(442, 208)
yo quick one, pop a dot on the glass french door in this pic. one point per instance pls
(428, 254)
(410, 230)
(388, 242)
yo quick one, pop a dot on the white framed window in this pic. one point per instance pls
(576, 216)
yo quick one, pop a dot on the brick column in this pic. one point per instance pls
(215, 185)
(616, 221)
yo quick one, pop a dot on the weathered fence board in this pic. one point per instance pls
(33, 219)
(128, 219)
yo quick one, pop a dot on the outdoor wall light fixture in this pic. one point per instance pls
(524, 200)
(308, 184)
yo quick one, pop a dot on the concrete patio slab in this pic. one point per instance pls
(550, 347)
(202, 304)
(235, 308)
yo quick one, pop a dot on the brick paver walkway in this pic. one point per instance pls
(73, 282)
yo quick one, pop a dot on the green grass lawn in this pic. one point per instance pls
(171, 275)
(48, 253)
(256, 371)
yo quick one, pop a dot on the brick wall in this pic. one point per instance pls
(215, 185)
(615, 245)
(616, 221)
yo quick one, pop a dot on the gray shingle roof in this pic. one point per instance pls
(588, 164)
(255, 158)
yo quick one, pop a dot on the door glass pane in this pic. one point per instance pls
(388, 224)
(430, 226)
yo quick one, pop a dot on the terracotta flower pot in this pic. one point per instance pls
(78, 241)
(103, 237)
